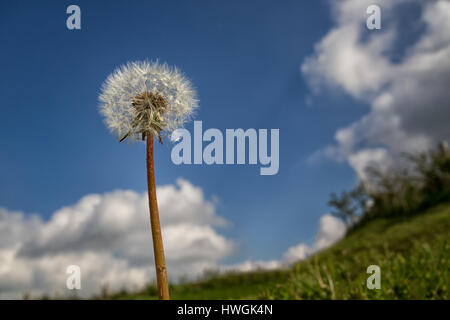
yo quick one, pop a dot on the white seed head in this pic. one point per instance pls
(142, 98)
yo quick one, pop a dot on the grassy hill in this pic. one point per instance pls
(413, 254)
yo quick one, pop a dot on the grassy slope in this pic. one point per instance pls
(413, 255)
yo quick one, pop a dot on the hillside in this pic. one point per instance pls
(413, 254)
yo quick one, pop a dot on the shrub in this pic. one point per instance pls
(422, 181)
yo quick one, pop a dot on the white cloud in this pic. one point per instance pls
(250, 265)
(364, 158)
(408, 98)
(331, 229)
(109, 237)
(297, 253)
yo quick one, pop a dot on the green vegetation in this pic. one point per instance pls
(413, 254)
(214, 286)
(417, 183)
(405, 231)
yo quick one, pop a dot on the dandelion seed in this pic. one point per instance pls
(143, 97)
(143, 100)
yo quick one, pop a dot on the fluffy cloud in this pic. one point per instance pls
(408, 96)
(297, 253)
(108, 236)
(250, 265)
(331, 229)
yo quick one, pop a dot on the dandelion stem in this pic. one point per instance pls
(158, 249)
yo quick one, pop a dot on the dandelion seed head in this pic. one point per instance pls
(142, 98)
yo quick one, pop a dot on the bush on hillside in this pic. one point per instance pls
(421, 182)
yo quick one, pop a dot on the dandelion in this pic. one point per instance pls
(143, 101)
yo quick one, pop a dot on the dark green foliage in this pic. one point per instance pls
(349, 205)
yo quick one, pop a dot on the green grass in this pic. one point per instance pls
(229, 286)
(413, 255)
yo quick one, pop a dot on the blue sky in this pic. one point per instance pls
(244, 59)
